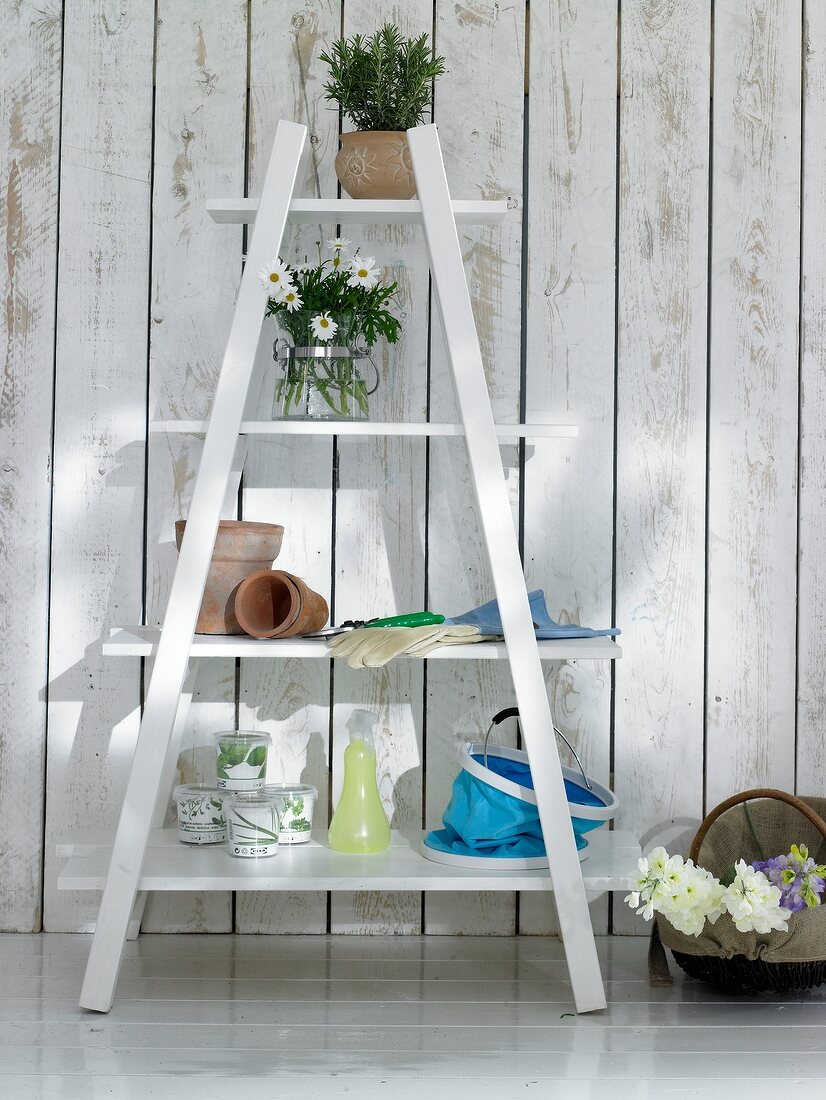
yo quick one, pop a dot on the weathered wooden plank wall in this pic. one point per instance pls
(30, 63)
(200, 106)
(100, 410)
(570, 317)
(661, 394)
(659, 283)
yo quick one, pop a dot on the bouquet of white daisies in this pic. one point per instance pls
(337, 298)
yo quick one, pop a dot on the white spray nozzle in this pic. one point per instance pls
(360, 725)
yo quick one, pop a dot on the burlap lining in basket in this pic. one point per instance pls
(757, 825)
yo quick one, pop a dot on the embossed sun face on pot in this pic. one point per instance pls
(358, 164)
(398, 159)
(376, 165)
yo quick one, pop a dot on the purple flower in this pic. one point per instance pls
(799, 879)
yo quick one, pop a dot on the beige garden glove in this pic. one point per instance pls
(372, 647)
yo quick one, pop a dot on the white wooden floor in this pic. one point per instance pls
(255, 1017)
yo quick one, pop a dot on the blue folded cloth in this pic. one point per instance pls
(489, 621)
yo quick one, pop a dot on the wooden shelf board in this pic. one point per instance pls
(366, 427)
(358, 211)
(172, 866)
(141, 641)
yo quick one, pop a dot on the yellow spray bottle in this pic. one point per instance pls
(359, 823)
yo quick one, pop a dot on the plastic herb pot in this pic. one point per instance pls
(201, 817)
(242, 759)
(295, 802)
(252, 824)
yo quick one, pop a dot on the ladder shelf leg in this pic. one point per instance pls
(472, 397)
(172, 658)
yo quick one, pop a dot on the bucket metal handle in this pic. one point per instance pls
(513, 712)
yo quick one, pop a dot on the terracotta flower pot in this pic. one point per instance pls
(275, 604)
(241, 548)
(375, 164)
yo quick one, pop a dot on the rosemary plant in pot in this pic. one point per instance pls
(330, 314)
(384, 83)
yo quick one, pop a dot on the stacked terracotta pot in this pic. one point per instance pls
(244, 595)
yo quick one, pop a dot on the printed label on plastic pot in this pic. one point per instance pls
(295, 802)
(252, 825)
(242, 760)
(201, 818)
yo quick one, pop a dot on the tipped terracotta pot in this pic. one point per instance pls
(275, 604)
(376, 164)
(241, 548)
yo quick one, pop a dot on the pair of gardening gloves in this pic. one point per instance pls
(372, 647)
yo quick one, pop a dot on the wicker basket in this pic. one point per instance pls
(745, 963)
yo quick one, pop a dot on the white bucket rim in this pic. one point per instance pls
(469, 749)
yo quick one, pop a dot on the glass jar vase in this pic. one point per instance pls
(322, 380)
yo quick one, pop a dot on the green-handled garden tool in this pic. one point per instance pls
(412, 618)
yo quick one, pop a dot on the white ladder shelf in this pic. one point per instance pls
(142, 856)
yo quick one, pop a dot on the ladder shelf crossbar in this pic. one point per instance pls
(358, 211)
(171, 866)
(142, 641)
(367, 427)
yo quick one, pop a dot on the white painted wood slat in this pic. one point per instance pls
(479, 112)
(334, 1032)
(200, 99)
(366, 427)
(752, 511)
(172, 866)
(379, 536)
(811, 602)
(30, 58)
(142, 641)
(660, 551)
(345, 211)
(100, 416)
(569, 370)
(290, 481)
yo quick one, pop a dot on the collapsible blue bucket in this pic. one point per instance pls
(492, 820)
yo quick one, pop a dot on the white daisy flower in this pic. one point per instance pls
(324, 327)
(339, 244)
(276, 278)
(292, 299)
(361, 268)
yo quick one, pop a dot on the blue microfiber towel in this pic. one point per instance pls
(489, 621)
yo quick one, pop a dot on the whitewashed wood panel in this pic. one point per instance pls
(569, 371)
(811, 603)
(105, 305)
(289, 481)
(200, 103)
(100, 411)
(479, 112)
(379, 537)
(661, 380)
(753, 397)
(30, 57)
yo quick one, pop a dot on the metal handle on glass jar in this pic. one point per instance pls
(366, 355)
(320, 351)
(283, 349)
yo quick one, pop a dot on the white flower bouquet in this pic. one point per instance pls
(687, 896)
(733, 915)
(337, 310)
